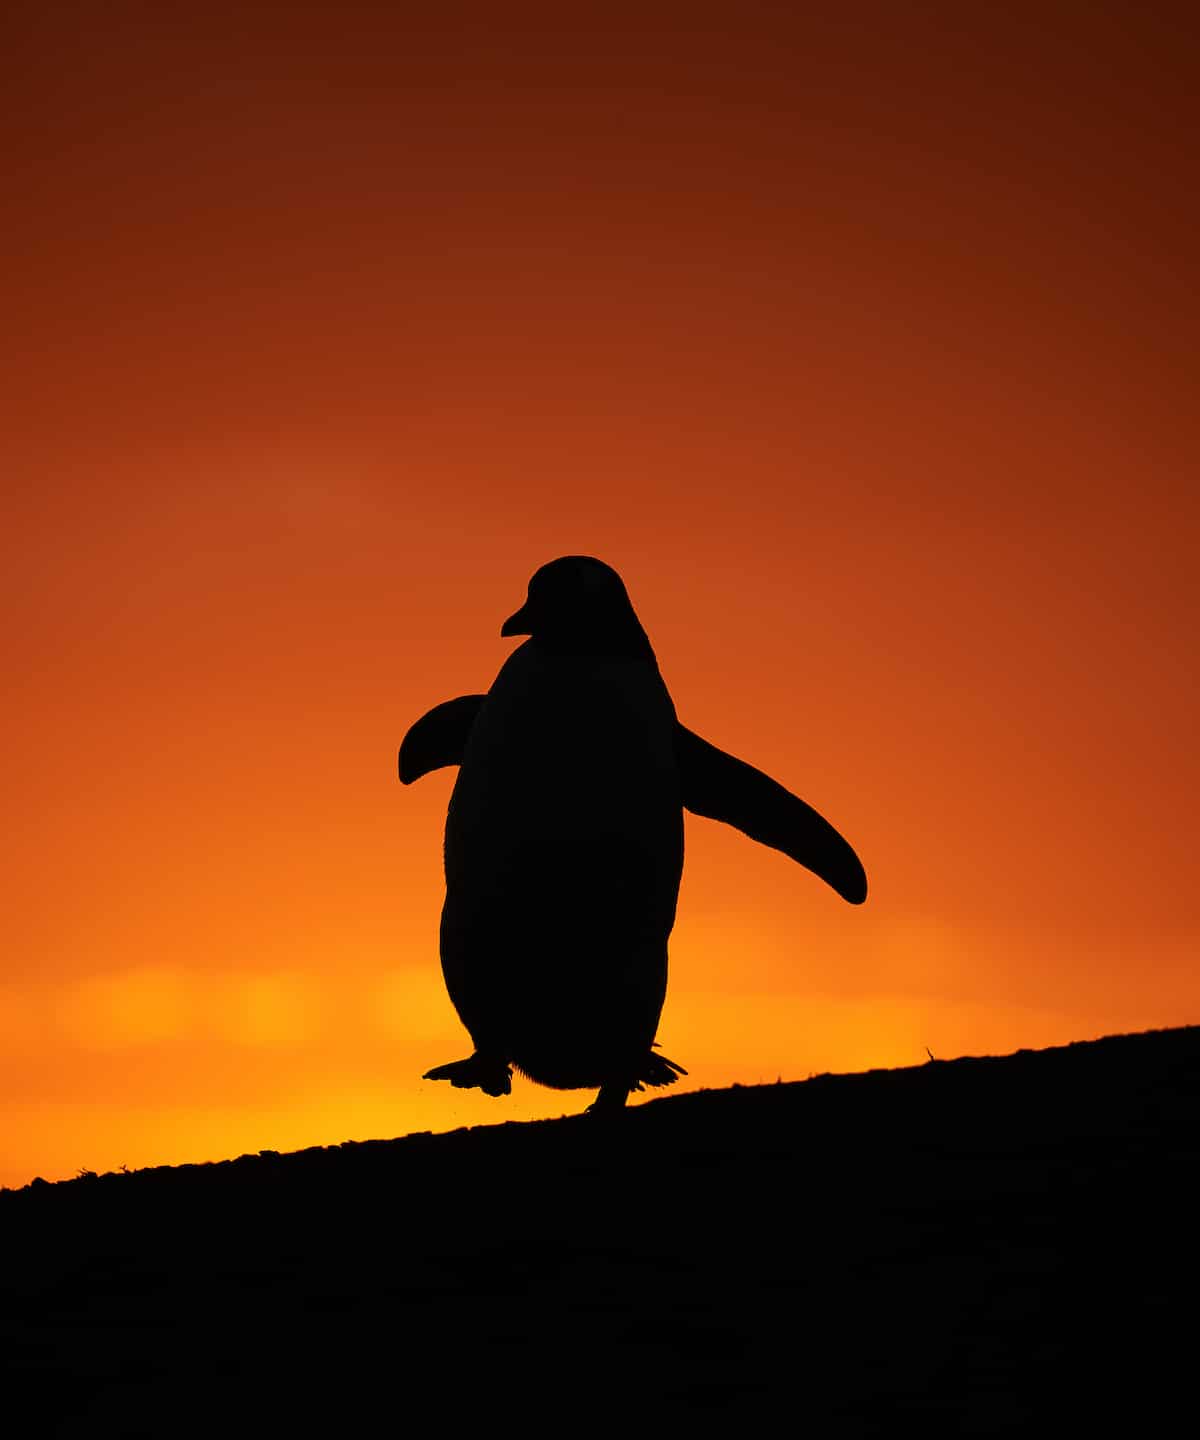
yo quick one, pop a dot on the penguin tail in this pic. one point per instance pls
(656, 1071)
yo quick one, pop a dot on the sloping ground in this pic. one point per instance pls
(992, 1247)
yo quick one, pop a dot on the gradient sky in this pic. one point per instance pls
(860, 340)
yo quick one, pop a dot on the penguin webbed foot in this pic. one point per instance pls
(477, 1072)
(610, 1101)
(656, 1070)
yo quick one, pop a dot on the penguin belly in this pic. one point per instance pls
(564, 850)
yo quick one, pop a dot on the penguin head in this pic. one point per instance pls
(578, 605)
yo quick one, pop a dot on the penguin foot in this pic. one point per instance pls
(611, 1099)
(658, 1070)
(655, 1070)
(492, 1076)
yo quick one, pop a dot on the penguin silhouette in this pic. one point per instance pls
(564, 842)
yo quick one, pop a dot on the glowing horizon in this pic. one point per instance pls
(862, 351)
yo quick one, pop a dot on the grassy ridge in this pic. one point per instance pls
(979, 1246)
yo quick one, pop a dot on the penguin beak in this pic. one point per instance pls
(518, 624)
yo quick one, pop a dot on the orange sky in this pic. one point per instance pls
(858, 340)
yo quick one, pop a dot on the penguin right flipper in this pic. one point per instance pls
(438, 738)
(721, 787)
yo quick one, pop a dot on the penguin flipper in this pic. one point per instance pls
(438, 738)
(723, 788)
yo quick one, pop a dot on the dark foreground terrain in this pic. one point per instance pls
(975, 1247)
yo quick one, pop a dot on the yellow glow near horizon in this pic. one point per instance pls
(875, 387)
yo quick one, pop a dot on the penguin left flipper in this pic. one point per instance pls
(438, 738)
(721, 787)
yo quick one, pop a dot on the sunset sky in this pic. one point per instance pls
(859, 337)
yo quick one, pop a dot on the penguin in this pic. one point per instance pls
(564, 842)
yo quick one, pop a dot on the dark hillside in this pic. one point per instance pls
(992, 1247)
